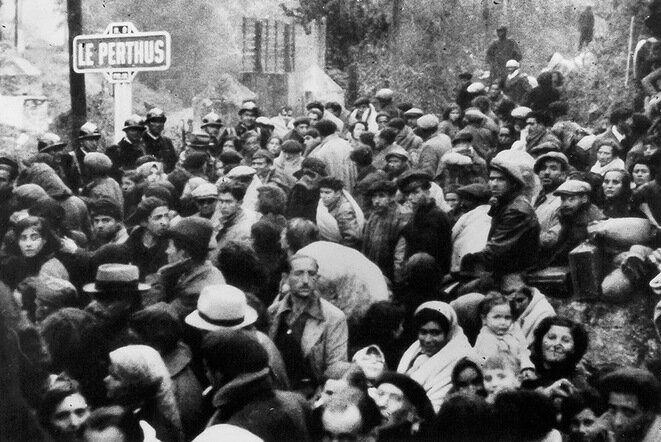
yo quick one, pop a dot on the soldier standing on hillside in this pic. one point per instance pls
(500, 51)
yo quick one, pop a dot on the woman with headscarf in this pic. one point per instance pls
(441, 343)
(138, 379)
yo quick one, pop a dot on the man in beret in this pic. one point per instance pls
(188, 271)
(107, 223)
(429, 229)
(301, 126)
(262, 162)
(346, 224)
(335, 153)
(552, 168)
(406, 410)
(575, 214)
(384, 226)
(513, 240)
(500, 51)
(434, 145)
(290, 158)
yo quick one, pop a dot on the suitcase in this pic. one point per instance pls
(552, 281)
(586, 268)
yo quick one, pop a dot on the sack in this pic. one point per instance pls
(622, 232)
(616, 288)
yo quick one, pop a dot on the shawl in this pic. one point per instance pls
(435, 373)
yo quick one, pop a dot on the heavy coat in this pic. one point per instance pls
(334, 152)
(380, 235)
(431, 152)
(162, 148)
(429, 231)
(513, 243)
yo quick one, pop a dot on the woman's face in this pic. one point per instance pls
(357, 130)
(273, 146)
(372, 365)
(557, 344)
(454, 115)
(605, 155)
(432, 338)
(30, 241)
(229, 144)
(612, 184)
(69, 417)
(641, 174)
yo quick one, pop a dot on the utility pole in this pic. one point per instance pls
(76, 81)
(16, 24)
(396, 20)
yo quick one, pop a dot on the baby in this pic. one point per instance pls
(498, 334)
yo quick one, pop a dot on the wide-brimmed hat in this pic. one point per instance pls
(221, 306)
(116, 278)
(134, 122)
(89, 130)
(48, 142)
(199, 140)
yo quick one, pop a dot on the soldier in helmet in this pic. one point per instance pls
(52, 145)
(156, 144)
(125, 153)
(211, 124)
(88, 141)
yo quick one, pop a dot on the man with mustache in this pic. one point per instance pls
(575, 214)
(551, 168)
(309, 331)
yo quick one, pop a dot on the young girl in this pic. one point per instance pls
(498, 335)
(607, 158)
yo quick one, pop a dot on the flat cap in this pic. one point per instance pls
(555, 156)
(412, 179)
(428, 121)
(414, 112)
(512, 64)
(476, 88)
(385, 94)
(206, 190)
(521, 112)
(573, 187)
(462, 137)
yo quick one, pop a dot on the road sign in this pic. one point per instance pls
(121, 50)
(120, 53)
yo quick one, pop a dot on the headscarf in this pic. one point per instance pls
(435, 373)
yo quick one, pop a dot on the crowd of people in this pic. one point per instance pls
(217, 291)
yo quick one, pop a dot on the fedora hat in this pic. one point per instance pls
(49, 142)
(89, 130)
(116, 278)
(221, 307)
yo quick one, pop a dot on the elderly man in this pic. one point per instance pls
(633, 398)
(552, 170)
(513, 241)
(575, 214)
(310, 332)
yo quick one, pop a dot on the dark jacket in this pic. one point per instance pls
(380, 234)
(429, 231)
(249, 401)
(161, 148)
(124, 156)
(513, 242)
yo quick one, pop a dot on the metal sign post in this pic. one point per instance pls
(120, 53)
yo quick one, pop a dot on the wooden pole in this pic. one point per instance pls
(626, 76)
(76, 81)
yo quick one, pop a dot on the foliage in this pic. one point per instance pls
(350, 24)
